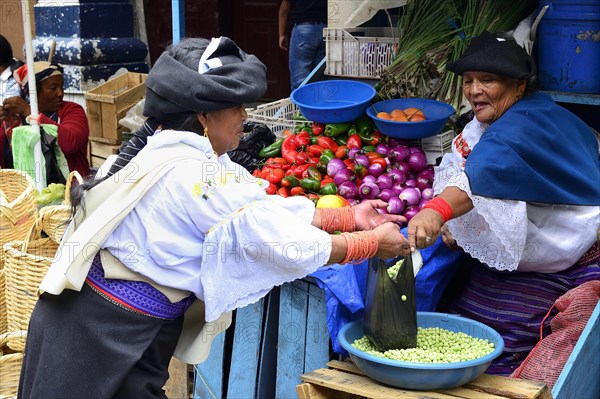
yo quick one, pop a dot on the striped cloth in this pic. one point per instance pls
(515, 304)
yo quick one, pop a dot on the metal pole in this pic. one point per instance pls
(178, 14)
(40, 178)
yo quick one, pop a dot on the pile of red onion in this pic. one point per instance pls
(405, 184)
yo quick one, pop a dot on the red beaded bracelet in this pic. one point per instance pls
(441, 206)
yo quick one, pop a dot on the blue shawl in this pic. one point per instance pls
(537, 151)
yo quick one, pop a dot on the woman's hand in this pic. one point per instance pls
(448, 239)
(424, 228)
(367, 217)
(391, 243)
(16, 106)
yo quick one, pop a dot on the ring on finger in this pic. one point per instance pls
(428, 239)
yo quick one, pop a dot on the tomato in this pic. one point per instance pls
(284, 192)
(297, 191)
(302, 158)
(326, 180)
(271, 189)
(373, 155)
(380, 161)
(315, 150)
(341, 152)
(275, 175)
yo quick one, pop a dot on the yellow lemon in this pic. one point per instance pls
(332, 201)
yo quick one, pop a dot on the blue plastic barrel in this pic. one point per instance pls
(568, 46)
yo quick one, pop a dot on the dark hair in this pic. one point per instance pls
(6, 53)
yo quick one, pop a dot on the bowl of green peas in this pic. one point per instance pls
(451, 351)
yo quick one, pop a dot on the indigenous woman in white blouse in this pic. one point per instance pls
(519, 194)
(159, 253)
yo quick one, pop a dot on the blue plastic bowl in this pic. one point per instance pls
(436, 112)
(424, 376)
(333, 101)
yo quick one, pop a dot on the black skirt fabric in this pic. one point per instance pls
(80, 345)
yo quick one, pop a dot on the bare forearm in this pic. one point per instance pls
(458, 200)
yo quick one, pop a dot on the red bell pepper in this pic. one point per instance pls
(328, 143)
(354, 141)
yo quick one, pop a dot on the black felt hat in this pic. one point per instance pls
(489, 53)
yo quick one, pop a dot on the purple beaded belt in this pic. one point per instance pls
(135, 296)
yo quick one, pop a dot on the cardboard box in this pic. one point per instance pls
(109, 102)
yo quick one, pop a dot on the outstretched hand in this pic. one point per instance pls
(367, 216)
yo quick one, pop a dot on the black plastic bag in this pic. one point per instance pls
(258, 137)
(391, 305)
(49, 144)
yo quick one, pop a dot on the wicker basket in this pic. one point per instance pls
(55, 218)
(3, 314)
(10, 365)
(26, 264)
(18, 209)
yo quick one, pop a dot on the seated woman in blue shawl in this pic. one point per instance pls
(519, 194)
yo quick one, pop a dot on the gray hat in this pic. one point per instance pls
(227, 78)
(489, 53)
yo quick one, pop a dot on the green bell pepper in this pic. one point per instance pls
(336, 129)
(272, 150)
(310, 184)
(341, 140)
(292, 181)
(326, 156)
(329, 188)
(364, 125)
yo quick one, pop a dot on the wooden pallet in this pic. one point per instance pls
(343, 380)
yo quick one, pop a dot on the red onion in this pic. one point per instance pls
(399, 153)
(397, 188)
(424, 181)
(410, 212)
(422, 203)
(334, 166)
(369, 190)
(410, 196)
(369, 179)
(394, 142)
(375, 169)
(353, 152)
(384, 181)
(395, 206)
(410, 183)
(397, 175)
(362, 159)
(402, 167)
(342, 176)
(386, 194)
(348, 190)
(427, 193)
(417, 161)
(383, 149)
(416, 149)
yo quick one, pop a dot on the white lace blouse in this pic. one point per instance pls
(514, 235)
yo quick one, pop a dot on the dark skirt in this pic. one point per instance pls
(516, 304)
(80, 345)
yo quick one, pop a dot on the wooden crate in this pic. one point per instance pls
(270, 344)
(100, 149)
(109, 102)
(344, 380)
